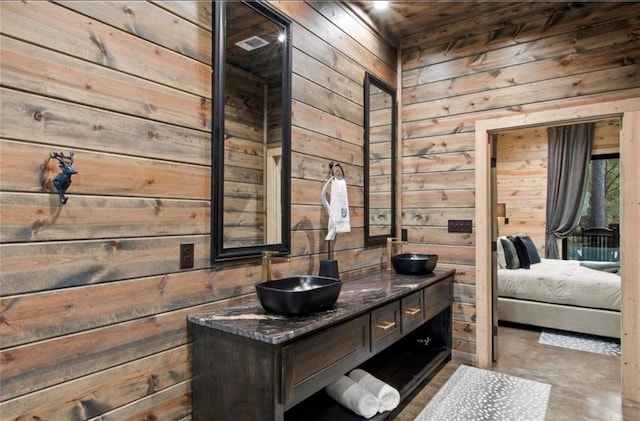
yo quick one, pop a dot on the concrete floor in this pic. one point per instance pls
(584, 386)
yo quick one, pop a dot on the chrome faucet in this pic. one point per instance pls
(267, 257)
(391, 241)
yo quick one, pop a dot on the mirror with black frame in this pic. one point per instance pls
(379, 160)
(251, 131)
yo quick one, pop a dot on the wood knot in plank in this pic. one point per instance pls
(40, 116)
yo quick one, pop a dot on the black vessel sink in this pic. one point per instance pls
(414, 263)
(298, 295)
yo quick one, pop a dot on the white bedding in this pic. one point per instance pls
(561, 282)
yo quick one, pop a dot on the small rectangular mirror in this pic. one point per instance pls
(379, 160)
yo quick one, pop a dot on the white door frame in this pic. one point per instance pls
(629, 111)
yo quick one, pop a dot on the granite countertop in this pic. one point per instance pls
(247, 318)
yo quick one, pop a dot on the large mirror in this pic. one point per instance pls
(251, 131)
(379, 160)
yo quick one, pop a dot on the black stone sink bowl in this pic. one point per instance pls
(298, 295)
(414, 263)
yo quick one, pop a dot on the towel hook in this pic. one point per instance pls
(332, 166)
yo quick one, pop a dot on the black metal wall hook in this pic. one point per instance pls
(62, 181)
(332, 166)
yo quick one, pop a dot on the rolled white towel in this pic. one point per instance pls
(388, 396)
(353, 396)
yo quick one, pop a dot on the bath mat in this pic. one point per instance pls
(475, 394)
(580, 342)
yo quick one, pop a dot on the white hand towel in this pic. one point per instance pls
(338, 209)
(388, 396)
(353, 396)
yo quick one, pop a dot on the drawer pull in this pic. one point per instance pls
(412, 311)
(386, 325)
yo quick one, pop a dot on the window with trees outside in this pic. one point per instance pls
(597, 236)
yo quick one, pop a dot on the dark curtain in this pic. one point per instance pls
(569, 155)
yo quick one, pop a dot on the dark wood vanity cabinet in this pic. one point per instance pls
(402, 339)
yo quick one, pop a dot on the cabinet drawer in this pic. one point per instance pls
(437, 297)
(385, 326)
(310, 363)
(412, 307)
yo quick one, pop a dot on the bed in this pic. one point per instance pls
(562, 294)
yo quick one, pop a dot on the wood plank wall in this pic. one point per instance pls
(532, 57)
(521, 170)
(245, 139)
(94, 306)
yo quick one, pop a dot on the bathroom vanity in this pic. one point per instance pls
(252, 365)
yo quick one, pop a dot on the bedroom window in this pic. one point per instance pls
(597, 236)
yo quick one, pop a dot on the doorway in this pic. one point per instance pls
(629, 111)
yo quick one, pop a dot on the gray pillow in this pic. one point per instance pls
(510, 254)
(530, 247)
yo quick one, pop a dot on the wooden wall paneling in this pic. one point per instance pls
(433, 216)
(438, 198)
(553, 89)
(32, 267)
(558, 60)
(34, 366)
(313, 143)
(325, 29)
(464, 312)
(346, 21)
(606, 138)
(454, 142)
(323, 99)
(62, 30)
(438, 180)
(39, 119)
(155, 24)
(37, 316)
(574, 56)
(31, 68)
(307, 192)
(244, 147)
(440, 235)
(310, 242)
(28, 168)
(31, 367)
(474, 36)
(521, 177)
(145, 120)
(318, 49)
(173, 403)
(304, 115)
(321, 73)
(105, 390)
(453, 161)
(39, 217)
(431, 128)
(316, 167)
(199, 13)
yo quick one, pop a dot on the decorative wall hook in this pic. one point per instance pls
(333, 166)
(63, 180)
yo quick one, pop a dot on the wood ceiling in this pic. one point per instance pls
(406, 18)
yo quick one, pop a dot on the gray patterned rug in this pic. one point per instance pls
(580, 342)
(481, 395)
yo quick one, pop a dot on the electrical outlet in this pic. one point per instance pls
(186, 255)
(460, 225)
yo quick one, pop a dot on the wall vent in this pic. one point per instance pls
(252, 43)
